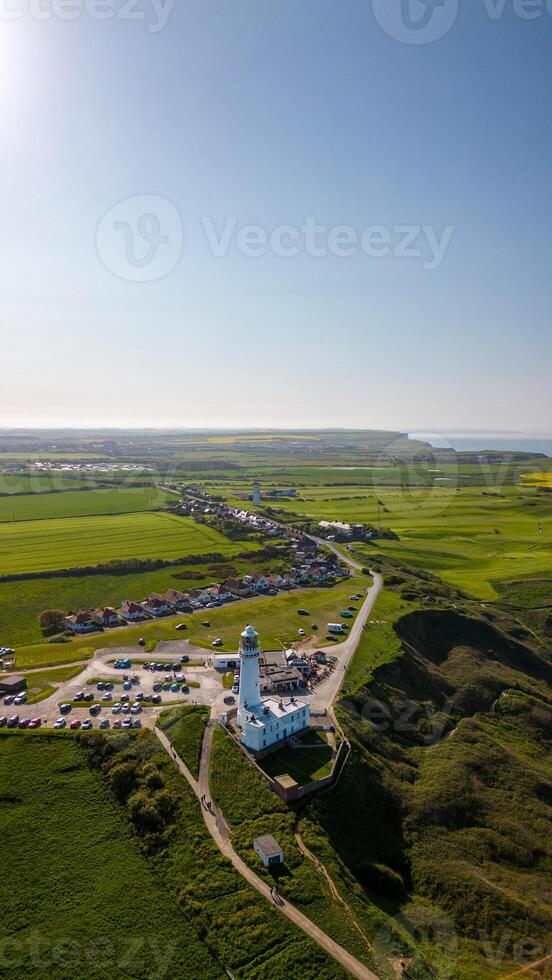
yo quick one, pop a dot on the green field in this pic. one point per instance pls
(32, 546)
(470, 537)
(81, 503)
(185, 728)
(276, 619)
(83, 886)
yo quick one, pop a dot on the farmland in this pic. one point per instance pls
(81, 503)
(31, 546)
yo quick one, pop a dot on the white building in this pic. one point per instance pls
(268, 850)
(264, 721)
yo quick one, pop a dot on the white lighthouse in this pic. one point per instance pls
(264, 721)
(250, 685)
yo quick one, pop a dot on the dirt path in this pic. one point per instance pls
(323, 871)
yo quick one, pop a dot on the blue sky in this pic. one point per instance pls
(271, 113)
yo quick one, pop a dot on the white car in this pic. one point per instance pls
(107, 697)
(180, 678)
(217, 642)
(301, 632)
(21, 698)
(116, 709)
(136, 709)
(87, 724)
(60, 723)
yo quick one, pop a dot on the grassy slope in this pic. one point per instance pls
(252, 809)
(82, 541)
(275, 617)
(185, 728)
(81, 503)
(80, 877)
(242, 930)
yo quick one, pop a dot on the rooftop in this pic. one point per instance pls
(267, 844)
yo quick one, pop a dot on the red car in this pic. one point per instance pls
(75, 723)
(117, 724)
(35, 723)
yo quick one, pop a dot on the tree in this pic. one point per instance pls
(51, 618)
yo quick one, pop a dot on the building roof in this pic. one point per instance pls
(267, 844)
(249, 632)
(286, 781)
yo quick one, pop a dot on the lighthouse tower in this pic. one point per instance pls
(250, 687)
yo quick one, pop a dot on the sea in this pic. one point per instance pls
(473, 442)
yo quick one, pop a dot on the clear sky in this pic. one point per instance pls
(275, 113)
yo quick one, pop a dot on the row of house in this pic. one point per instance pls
(311, 571)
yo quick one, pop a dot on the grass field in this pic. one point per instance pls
(185, 728)
(81, 503)
(275, 618)
(32, 546)
(470, 537)
(86, 901)
(305, 764)
(41, 684)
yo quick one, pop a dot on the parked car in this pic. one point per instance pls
(60, 723)
(181, 626)
(65, 709)
(116, 709)
(95, 710)
(104, 723)
(3, 721)
(301, 632)
(88, 697)
(24, 723)
(76, 723)
(141, 642)
(127, 723)
(136, 709)
(184, 659)
(217, 642)
(205, 622)
(87, 724)
(108, 696)
(229, 699)
(35, 723)
(100, 686)
(136, 723)
(20, 698)
(13, 721)
(125, 709)
(9, 699)
(109, 685)
(117, 724)
(180, 678)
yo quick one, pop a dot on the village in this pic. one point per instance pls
(310, 568)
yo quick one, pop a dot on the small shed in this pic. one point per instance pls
(12, 684)
(268, 850)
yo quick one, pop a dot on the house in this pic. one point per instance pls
(236, 588)
(106, 617)
(131, 611)
(268, 850)
(260, 583)
(155, 605)
(177, 600)
(81, 622)
(276, 581)
(13, 684)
